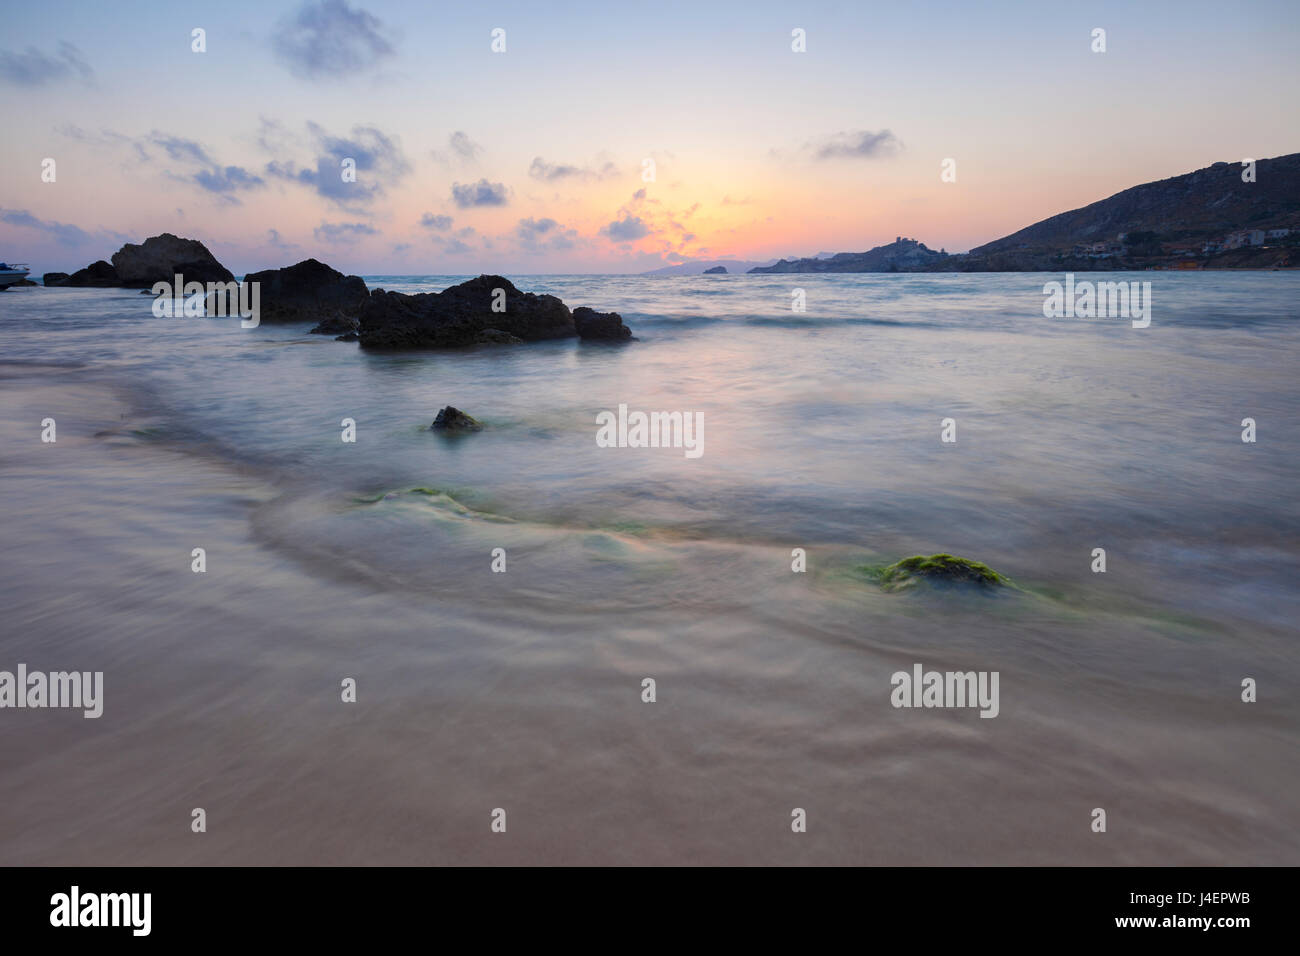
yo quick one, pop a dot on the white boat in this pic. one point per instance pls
(9, 274)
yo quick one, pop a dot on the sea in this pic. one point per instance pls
(521, 646)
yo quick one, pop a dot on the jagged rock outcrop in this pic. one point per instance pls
(161, 258)
(462, 315)
(311, 291)
(600, 326)
(452, 419)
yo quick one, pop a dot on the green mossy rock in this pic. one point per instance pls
(936, 569)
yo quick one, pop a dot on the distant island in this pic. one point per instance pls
(1208, 219)
(717, 271)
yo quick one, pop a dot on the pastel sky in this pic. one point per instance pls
(531, 160)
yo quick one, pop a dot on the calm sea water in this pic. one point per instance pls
(522, 690)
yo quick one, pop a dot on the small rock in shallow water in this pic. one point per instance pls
(453, 419)
(937, 569)
(335, 325)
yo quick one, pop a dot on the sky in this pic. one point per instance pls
(609, 137)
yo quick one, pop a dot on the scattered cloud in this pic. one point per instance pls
(544, 235)
(327, 39)
(546, 172)
(273, 239)
(440, 223)
(454, 247)
(379, 160)
(212, 177)
(204, 170)
(855, 144)
(34, 68)
(481, 193)
(626, 229)
(228, 180)
(105, 139)
(343, 232)
(463, 146)
(62, 233)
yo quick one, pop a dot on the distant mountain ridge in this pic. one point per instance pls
(901, 255)
(1209, 218)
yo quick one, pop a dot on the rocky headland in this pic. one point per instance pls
(488, 310)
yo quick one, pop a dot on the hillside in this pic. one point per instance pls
(1201, 206)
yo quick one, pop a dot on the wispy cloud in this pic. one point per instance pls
(328, 39)
(463, 146)
(544, 235)
(343, 232)
(546, 172)
(34, 68)
(379, 161)
(65, 234)
(204, 170)
(440, 223)
(855, 144)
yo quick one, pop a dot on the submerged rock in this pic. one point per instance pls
(337, 324)
(463, 315)
(161, 258)
(453, 419)
(937, 569)
(600, 326)
(310, 291)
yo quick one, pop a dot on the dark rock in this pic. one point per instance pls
(453, 419)
(55, 278)
(308, 292)
(460, 316)
(161, 258)
(22, 282)
(335, 325)
(99, 275)
(600, 326)
(349, 337)
(716, 271)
